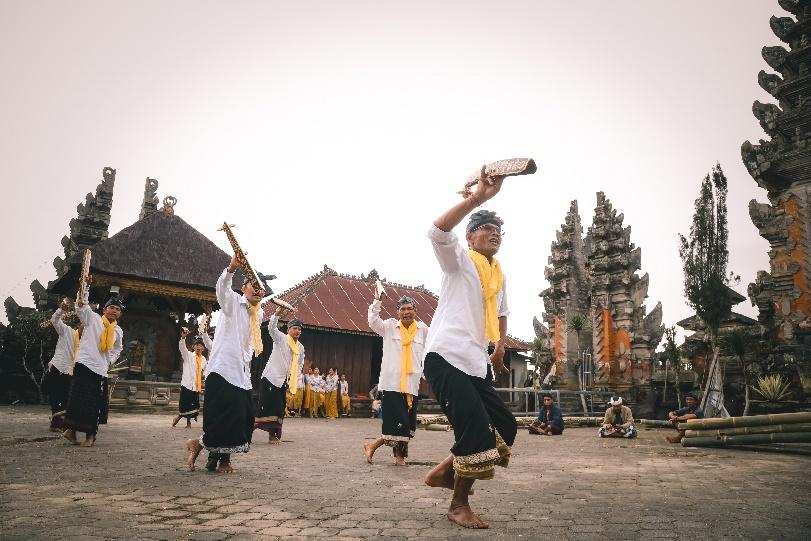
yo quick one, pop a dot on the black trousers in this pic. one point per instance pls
(483, 427)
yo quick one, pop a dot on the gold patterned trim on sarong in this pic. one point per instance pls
(192, 412)
(504, 451)
(268, 419)
(244, 448)
(392, 440)
(476, 466)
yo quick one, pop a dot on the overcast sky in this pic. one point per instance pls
(336, 132)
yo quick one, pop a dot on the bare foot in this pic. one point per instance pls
(225, 467)
(368, 451)
(193, 447)
(464, 516)
(273, 439)
(70, 435)
(399, 461)
(89, 441)
(177, 419)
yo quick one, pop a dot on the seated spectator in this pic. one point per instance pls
(618, 421)
(549, 421)
(377, 406)
(690, 411)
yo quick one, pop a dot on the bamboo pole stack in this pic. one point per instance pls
(754, 430)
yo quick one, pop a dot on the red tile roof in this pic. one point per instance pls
(340, 302)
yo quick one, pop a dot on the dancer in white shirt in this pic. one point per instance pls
(191, 382)
(400, 372)
(471, 314)
(60, 368)
(228, 416)
(281, 373)
(99, 347)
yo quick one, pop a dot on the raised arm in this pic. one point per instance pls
(227, 297)
(181, 345)
(485, 190)
(375, 323)
(61, 328)
(276, 335)
(207, 341)
(83, 310)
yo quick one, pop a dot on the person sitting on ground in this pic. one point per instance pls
(377, 406)
(550, 419)
(690, 411)
(618, 421)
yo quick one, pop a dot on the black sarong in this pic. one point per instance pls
(189, 403)
(58, 386)
(271, 410)
(483, 427)
(228, 417)
(399, 422)
(88, 403)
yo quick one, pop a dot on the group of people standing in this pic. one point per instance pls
(320, 396)
(457, 356)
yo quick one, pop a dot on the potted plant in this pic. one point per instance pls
(774, 390)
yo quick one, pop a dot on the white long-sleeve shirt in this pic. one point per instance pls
(391, 365)
(232, 351)
(207, 341)
(330, 383)
(277, 369)
(89, 354)
(457, 330)
(65, 345)
(344, 387)
(189, 378)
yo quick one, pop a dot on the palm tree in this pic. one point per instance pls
(739, 342)
(578, 324)
(671, 357)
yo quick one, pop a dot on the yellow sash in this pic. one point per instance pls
(293, 381)
(491, 279)
(107, 338)
(75, 351)
(406, 369)
(198, 380)
(256, 332)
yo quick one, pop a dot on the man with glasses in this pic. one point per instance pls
(471, 314)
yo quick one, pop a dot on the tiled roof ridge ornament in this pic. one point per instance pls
(169, 203)
(149, 204)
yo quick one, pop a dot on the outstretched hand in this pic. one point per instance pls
(488, 186)
(234, 264)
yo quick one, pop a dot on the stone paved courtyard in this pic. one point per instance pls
(134, 485)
